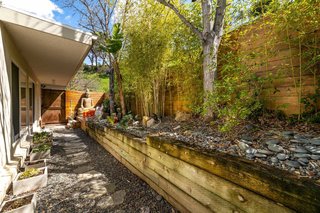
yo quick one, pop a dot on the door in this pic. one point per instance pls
(53, 110)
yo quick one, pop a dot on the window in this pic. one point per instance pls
(15, 100)
(23, 101)
(31, 105)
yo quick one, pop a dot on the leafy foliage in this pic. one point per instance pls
(30, 172)
(41, 148)
(237, 93)
(114, 43)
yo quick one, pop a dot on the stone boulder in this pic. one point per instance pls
(183, 116)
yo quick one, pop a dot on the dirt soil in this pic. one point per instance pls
(16, 203)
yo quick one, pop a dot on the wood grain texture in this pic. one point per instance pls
(209, 181)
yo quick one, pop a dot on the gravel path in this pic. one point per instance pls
(84, 177)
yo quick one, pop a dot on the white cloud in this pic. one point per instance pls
(41, 8)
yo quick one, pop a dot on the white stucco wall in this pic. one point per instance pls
(11, 152)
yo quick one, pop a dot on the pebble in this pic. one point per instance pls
(293, 164)
(315, 157)
(275, 148)
(251, 151)
(272, 142)
(246, 137)
(264, 151)
(246, 141)
(315, 142)
(304, 160)
(298, 149)
(281, 156)
(299, 155)
(295, 141)
(274, 160)
(260, 155)
(243, 146)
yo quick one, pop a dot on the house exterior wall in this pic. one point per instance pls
(13, 152)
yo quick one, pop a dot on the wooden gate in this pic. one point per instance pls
(53, 108)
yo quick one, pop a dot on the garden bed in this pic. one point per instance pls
(291, 147)
(30, 182)
(25, 204)
(195, 179)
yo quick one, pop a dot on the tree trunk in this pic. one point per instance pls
(120, 89)
(111, 91)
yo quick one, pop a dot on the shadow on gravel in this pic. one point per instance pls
(84, 177)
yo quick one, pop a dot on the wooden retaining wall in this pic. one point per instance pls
(198, 182)
(73, 100)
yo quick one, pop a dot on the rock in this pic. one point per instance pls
(251, 151)
(311, 148)
(275, 148)
(298, 149)
(135, 123)
(301, 155)
(182, 116)
(281, 156)
(272, 141)
(315, 141)
(246, 137)
(159, 198)
(264, 151)
(243, 146)
(250, 156)
(274, 160)
(304, 160)
(145, 209)
(177, 127)
(315, 157)
(295, 141)
(249, 127)
(150, 122)
(293, 164)
(247, 142)
(144, 120)
(258, 155)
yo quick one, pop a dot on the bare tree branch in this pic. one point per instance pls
(182, 18)
(219, 17)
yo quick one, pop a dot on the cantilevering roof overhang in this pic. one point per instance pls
(53, 51)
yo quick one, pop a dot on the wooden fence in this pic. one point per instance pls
(73, 100)
(196, 182)
(277, 56)
(270, 53)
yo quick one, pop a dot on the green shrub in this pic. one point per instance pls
(30, 172)
(236, 93)
(41, 148)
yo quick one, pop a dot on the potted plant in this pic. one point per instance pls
(29, 180)
(24, 204)
(41, 151)
(35, 164)
(42, 137)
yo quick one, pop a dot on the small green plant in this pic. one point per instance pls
(42, 137)
(236, 94)
(126, 120)
(41, 148)
(30, 172)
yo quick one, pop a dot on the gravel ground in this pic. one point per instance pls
(84, 177)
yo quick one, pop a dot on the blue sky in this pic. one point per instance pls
(47, 9)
